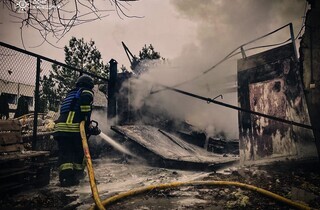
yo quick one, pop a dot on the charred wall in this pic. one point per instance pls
(270, 83)
(310, 65)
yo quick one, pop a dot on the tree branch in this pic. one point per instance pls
(58, 17)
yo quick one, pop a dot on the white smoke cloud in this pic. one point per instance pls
(222, 26)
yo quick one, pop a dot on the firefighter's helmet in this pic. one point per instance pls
(85, 81)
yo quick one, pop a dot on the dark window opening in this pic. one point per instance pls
(11, 98)
(29, 100)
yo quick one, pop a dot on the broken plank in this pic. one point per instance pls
(11, 148)
(11, 186)
(16, 171)
(10, 125)
(22, 156)
(10, 138)
(12, 169)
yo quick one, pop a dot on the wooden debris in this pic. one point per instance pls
(20, 168)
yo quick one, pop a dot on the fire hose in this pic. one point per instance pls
(141, 190)
(102, 204)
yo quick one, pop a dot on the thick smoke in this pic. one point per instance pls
(222, 27)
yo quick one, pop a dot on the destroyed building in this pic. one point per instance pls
(278, 98)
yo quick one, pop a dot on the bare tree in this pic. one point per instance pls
(58, 17)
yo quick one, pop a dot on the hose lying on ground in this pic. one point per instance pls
(101, 205)
(199, 183)
(92, 180)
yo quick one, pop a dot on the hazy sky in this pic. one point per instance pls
(174, 27)
(193, 34)
(162, 25)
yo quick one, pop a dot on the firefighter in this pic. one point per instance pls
(76, 107)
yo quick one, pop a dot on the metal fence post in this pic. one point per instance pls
(112, 100)
(293, 41)
(36, 105)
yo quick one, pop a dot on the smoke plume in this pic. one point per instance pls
(222, 27)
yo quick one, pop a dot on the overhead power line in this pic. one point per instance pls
(232, 54)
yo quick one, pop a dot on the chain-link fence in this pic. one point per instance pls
(29, 91)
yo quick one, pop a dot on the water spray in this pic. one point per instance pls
(94, 130)
(115, 144)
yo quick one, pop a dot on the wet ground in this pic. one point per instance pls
(299, 181)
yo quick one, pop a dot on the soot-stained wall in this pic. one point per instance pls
(310, 65)
(270, 83)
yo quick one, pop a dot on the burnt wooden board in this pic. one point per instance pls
(10, 125)
(169, 147)
(20, 170)
(11, 148)
(10, 138)
(24, 155)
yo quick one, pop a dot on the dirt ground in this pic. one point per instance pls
(296, 180)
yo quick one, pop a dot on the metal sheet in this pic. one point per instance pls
(171, 149)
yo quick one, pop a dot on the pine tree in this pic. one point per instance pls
(49, 97)
(148, 53)
(148, 57)
(78, 54)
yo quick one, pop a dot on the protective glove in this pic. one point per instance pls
(93, 129)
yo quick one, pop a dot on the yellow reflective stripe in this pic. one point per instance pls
(66, 127)
(71, 129)
(68, 130)
(85, 108)
(87, 91)
(74, 127)
(70, 117)
(66, 166)
(69, 125)
(77, 166)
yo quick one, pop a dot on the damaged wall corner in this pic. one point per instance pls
(270, 83)
(310, 65)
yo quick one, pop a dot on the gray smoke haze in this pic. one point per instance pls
(222, 26)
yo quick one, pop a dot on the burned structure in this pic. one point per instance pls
(163, 149)
(270, 83)
(310, 66)
(274, 119)
(276, 83)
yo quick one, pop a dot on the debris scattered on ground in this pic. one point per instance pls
(299, 181)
